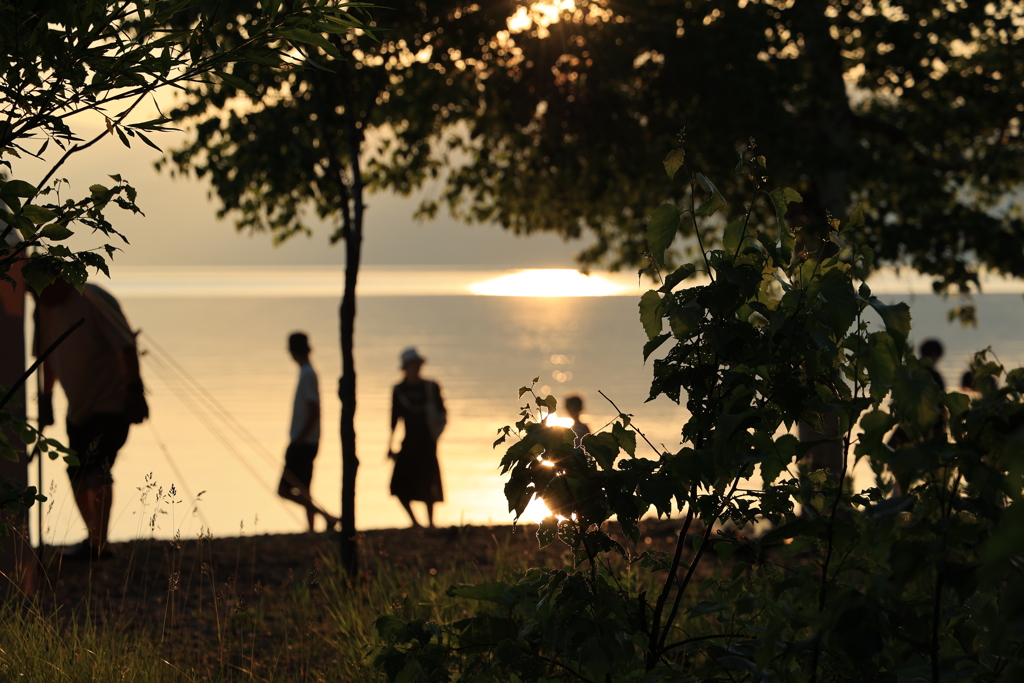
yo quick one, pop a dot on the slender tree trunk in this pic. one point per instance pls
(347, 323)
(347, 394)
(830, 117)
(17, 562)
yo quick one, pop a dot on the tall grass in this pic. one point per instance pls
(211, 627)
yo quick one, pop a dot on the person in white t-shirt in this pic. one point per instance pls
(98, 367)
(304, 436)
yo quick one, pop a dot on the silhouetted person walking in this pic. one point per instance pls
(933, 350)
(418, 403)
(574, 406)
(304, 435)
(98, 367)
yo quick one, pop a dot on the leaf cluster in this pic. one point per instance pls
(103, 58)
(807, 578)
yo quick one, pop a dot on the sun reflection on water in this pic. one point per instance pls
(547, 282)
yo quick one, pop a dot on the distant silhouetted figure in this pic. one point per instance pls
(574, 406)
(967, 381)
(418, 403)
(304, 435)
(828, 455)
(98, 366)
(932, 350)
(976, 387)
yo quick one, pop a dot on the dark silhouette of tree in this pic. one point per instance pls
(544, 119)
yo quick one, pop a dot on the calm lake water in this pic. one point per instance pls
(220, 384)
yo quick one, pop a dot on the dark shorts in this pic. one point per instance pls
(298, 465)
(96, 444)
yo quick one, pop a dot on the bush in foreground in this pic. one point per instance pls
(917, 577)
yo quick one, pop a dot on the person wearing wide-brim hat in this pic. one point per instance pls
(418, 403)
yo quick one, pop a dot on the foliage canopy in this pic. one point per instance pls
(65, 63)
(780, 573)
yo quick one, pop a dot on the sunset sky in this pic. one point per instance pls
(181, 228)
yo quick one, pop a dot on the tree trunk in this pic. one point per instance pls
(830, 117)
(353, 236)
(347, 394)
(17, 561)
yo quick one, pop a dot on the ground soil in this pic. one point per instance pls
(141, 574)
(192, 591)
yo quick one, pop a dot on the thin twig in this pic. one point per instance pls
(28, 373)
(656, 451)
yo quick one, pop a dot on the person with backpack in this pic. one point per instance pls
(98, 367)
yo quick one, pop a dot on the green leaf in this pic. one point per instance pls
(882, 363)
(603, 447)
(685, 321)
(717, 201)
(661, 230)
(650, 313)
(547, 532)
(38, 214)
(23, 225)
(674, 161)
(840, 302)
(549, 402)
(17, 188)
(733, 236)
(234, 82)
(782, 452)
(706, 607)
(56, 232)
(957, 404)
(918, 398)
(652, 345)
(626, 438)
(39, 273)
(896, 319)
(298, 35)
(782, 198)
(675, 277)
(148, 142)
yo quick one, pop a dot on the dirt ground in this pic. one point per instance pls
(159, 580)
(261, 607)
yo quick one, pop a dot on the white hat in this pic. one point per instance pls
(411, 355)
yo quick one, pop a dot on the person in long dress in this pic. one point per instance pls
(418, 403)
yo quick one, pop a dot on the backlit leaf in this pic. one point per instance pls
(650, 313)
(674, 161)
(626, 438)
(603, 447)
(661, 230)
(709, 206)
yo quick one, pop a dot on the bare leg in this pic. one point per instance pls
(300, 495)
(94, 504)
(430, 514)
(408, 508)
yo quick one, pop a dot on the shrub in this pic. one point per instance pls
(916, 577)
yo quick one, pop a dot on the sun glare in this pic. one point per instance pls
(553, 420)
(540, 14)
(547, 282)
(535, 511)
